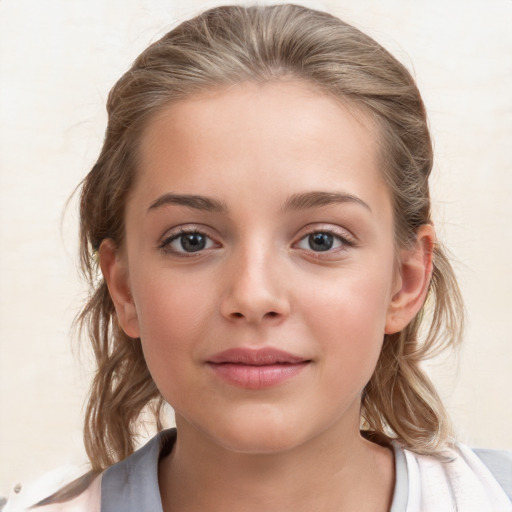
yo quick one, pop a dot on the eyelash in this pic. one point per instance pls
(165, 244)
(344, 242)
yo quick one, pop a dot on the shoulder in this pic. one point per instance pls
(499, 463)
(29, 496)
(131, 484)
(474, 480)
(87, 501)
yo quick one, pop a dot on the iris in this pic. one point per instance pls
(193, 242)
(321, 241)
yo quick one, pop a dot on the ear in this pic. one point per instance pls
(115, 272)
(413, 279)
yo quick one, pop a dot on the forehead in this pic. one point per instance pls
(262, 137)
(267, 106)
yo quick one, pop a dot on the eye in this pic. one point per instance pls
(323, 241)
(187, 242)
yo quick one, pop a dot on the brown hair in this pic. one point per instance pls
(229, 45)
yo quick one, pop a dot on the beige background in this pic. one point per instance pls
(59, 58)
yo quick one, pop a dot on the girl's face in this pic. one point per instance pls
(259, 267)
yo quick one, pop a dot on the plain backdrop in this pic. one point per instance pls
(58, 60)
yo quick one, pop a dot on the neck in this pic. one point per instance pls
(335, 471)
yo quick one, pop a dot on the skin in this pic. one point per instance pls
(260, 283)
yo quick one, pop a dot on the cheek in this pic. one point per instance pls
(348, 319)
(354, 303)
(171, 313)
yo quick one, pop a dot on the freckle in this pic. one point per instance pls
(17, 488)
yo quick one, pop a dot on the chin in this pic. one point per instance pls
(262, 433)
(265, 440)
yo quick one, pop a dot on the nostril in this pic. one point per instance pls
(270, 314)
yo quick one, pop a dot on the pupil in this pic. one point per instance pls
(320, 241)
(193, 242)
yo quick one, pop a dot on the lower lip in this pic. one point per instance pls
(257, 377)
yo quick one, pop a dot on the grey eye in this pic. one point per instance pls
(320, 241)
(190, 242)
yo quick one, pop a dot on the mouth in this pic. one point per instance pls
(256, 368)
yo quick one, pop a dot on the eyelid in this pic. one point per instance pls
(164, 243)
(322, 227)
(346, 237)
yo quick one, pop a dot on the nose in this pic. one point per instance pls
(256, 290)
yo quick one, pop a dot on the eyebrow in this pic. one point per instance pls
(191, 201)
(301, 201)
(317, 199)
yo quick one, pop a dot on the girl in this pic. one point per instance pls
(261, 218)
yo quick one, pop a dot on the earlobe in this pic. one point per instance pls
(414, 279)
(115, 272)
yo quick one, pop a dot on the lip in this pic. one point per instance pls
(256, 368)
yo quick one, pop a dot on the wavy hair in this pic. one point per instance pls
(230, 45)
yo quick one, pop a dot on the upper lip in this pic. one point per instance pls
(255, 357)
